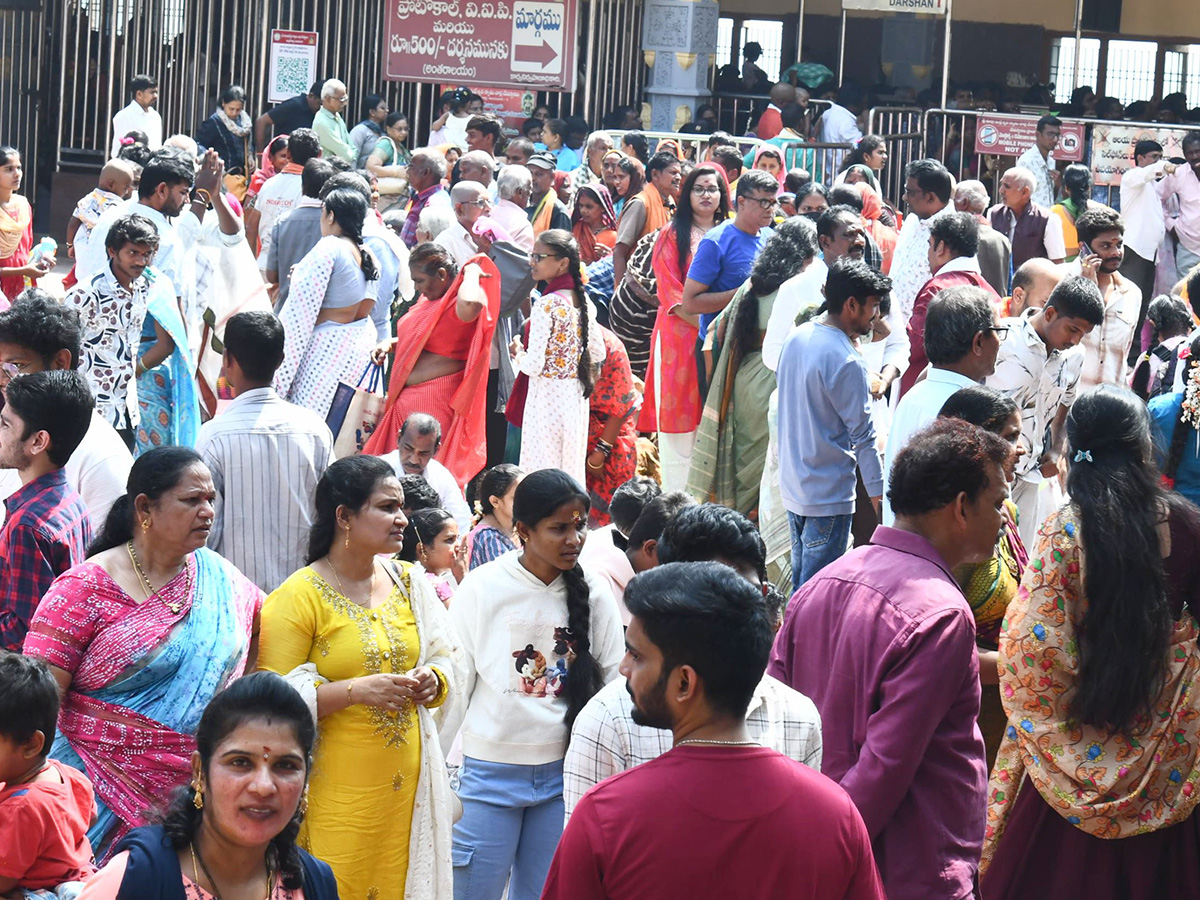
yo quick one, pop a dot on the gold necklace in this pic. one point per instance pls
(338, 579)
(133, 557)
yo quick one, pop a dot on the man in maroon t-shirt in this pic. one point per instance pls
(717, 815)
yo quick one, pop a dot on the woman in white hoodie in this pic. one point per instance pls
(540, 637)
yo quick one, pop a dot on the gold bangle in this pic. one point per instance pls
(349, 688)
(207, 196)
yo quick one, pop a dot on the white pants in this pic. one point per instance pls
(1036, 502)
(675, 455)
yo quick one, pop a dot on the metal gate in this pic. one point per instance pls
(67, 67)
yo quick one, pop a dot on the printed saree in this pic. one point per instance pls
(141, 676)
(168, 401)
(731, 441)
(1110, 785)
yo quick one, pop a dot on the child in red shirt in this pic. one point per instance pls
(45, 806)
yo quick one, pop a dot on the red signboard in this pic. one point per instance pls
(512, 107)
(1013, 135)
(520, 43)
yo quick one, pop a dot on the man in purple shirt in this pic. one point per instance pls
(883, 641)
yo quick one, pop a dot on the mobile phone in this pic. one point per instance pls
(1084, 249)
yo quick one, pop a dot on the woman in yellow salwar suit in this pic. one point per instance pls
(373, 651)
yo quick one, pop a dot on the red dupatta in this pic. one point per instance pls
(464, 445)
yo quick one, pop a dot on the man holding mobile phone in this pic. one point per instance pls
(1101, 250)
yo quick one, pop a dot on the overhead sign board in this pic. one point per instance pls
(293, 66)
(1013, 135)
(522, 43)
(928, 7)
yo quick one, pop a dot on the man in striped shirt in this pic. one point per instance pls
(266, 456)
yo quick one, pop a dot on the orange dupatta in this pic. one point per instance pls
(543, 213)
(14, 225)
(658, 213)
(464, 446)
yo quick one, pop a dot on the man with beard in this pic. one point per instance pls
(825, 424)
(1107, 347)
(696, 648)
(417, 444)
(608, 736)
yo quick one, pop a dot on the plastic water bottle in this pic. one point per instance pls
(44, 249)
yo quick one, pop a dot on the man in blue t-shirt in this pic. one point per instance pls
(725, 254)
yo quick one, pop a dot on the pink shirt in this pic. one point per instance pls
(715, 822)
(883, 641)
(1184, 184)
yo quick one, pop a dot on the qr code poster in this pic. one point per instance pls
(293, 64)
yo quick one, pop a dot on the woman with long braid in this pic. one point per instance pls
(327, 324)
(565, 348)
(539, 637)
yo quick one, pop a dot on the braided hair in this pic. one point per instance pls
(349, 211)
(1183, 429)
(562, 243)
(539, 495)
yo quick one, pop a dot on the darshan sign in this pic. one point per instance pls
(502, 43)
(1112, 148)
(929, 7)
(1013, 135)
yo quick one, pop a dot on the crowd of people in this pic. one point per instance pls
(718, 529)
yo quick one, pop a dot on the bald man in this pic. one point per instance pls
(1032, 284)
(770, 123)
(478, 166)
(471, 203)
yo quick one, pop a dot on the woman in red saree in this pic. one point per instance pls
(594, 223)
(16, 229)
(443, 349)
(612, 434)
(673, 405)
(140, 637)
(872, 217)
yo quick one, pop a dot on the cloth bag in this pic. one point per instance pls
(355, 411)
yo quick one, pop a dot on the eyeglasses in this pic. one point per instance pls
(701, 190)
(482, 203)
(12, 370)
(538, 257)
(764, 203)
(1000, 330)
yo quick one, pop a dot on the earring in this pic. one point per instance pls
(303, 807)
(198, 799)
(420, 549)
(347, 537)
(145, 525)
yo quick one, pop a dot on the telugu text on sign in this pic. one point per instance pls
(520, 43)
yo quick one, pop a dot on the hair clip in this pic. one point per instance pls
(1083, 455)
(126, 141)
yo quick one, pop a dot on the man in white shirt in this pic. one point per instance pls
(962, 339)
(282, 191)
(419, 441)
(1037, 159)
(266, 456)
(471, 202)
(1145, 225)
(1109, 345)
(139, 115)
(513, 186)
(39, 334)
(1038, 365)
(927, 191)
(606, 739)
(839, 125)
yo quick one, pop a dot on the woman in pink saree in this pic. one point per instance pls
(140, 637)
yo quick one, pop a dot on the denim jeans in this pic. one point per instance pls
(512, 820)
(816, 542)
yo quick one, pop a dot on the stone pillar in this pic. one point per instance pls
(679, 38)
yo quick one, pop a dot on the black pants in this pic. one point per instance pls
(1140, 271)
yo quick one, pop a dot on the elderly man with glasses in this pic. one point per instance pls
(962, 337)
(330, 126)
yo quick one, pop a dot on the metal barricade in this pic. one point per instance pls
(902, 128)
(693, 145)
